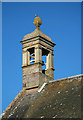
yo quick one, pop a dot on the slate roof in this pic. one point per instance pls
(57, 99)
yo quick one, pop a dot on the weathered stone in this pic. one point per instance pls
(57, 99)
(35, 45)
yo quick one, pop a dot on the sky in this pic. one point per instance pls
(60, 21)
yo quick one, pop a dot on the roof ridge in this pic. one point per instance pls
(57, 80)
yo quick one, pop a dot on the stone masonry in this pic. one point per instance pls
(36, 45)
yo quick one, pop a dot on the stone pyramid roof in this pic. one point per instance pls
(37, 32)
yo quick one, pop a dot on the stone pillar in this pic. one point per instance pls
(28, 59)
(49, 63)
(51, 59)
(38, 54)
(25, 60)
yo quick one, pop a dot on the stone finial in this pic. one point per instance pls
(37, 21)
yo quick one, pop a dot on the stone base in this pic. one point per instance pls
(30, 79)
(33, 76)
(50, 72)
(35, 80)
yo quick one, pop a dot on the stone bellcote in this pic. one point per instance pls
(36, 45)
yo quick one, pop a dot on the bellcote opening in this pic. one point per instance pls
(44, 63)
(44, 59)
(32, 55)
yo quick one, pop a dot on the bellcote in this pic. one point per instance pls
(35, 46)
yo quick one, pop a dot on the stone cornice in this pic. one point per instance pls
(30, 64)
(38, 38)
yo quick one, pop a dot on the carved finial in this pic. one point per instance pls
(37, 21)
(35, 15)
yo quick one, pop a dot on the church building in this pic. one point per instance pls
(41, 95)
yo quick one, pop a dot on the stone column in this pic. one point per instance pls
(25, 60)
(49, 65)
(49, 60)
(38, 54)
(28, 59)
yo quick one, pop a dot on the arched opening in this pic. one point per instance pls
(32, 55)
(44, 62)
(44, 57)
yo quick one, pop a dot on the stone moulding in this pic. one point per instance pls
(32, 64)
(38, 38)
